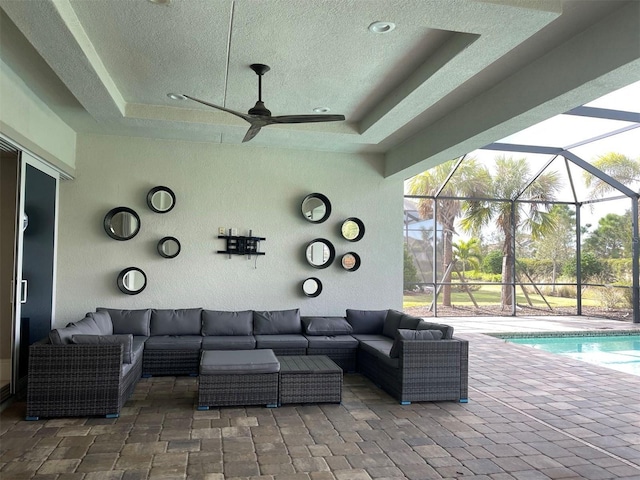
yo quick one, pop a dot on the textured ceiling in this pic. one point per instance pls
(107, 66)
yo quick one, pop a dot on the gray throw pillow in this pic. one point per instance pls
(405, 334)
(326, 326)
(135, 322)
(219, 323)
(186, 321)
(366, 322)
(392, 323)
(86, 326)
(277, 322)
(103, 320)
(447, 330)
(125, 340)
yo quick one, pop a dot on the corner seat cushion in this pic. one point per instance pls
(380, 349)
(281, 341)
(366, 321)
(103, 320)
(395, 320)
(368, 338)
(125, 340)
(332, 341)
(86, 326)
(447, 330)
(135, 322)
(404, 334)
(215, 322)
(326, 326)
(277, 322)
(229, 342)
(238, 362)
(173, 342)
(186, 321)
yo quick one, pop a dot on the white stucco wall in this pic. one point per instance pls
(229, 186)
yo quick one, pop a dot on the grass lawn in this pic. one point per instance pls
(490, 295)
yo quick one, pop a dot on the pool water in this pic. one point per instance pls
(619, 352)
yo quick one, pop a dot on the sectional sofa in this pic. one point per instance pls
(92, 366)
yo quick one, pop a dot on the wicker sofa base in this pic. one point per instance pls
(309, 379)
(236, 390)
(343, 357)
(170, 362)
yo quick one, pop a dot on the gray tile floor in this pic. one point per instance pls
(531, 415)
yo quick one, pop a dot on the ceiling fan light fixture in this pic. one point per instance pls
(322, 109)
(381, 27)
(176, 96)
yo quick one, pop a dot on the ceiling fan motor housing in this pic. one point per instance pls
(260, 109)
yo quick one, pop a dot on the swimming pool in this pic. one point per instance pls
(619, 352)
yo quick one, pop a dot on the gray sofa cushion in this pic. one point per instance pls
(125, 340)
(380, 349)
(392, 323)
(186, 321)
(173, 342)
(366, 321)
(238, 362)
(277, 322)
(135, 322)
(86, 326)
(409, 322)
(363, 337)
(332, 341)
(216, 322)
(447, 330)
(326, 326)
(281, 341)
(404, 334)
(103, 320)
(229, 342)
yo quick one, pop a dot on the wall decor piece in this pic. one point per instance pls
(312, 287)
(121, 223)
(320, 253)
(240, 245)
(316, 208)
(352, 229)
(350, 261)
(132, 281)
(169, 247)
(161, 199)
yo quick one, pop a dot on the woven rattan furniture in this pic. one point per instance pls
(309, 379)
(238, 377)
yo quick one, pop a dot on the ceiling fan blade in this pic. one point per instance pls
(252, 132)
(305, 118)
(233, 112)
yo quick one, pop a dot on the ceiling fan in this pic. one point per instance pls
(259, 116)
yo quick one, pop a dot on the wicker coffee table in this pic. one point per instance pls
(309, 379)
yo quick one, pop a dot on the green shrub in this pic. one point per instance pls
(590, 265)
(492, 262)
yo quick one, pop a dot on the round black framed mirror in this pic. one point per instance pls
(352, 229)
(132, 281)
(161, 199)
(320, 253)
(312, 287)
(350, 261)
(122, 223)
(316, 208)
(169, 247)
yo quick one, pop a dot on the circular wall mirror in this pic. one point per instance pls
(320, 253)
(316, 208)
(132, 281)
(161, 199)
(121, 223)
(169, 247)
(312, 287)
(352, 229)
(350, 261)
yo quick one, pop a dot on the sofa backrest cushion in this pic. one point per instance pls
(103, 320)
(185, 321)
(326, 326)
(447, 330)
(135, 322)
(406, 334)
(219, 323)
(392, 323)
(125, 340)
(86, 326)
(277, 322)
(368, 322)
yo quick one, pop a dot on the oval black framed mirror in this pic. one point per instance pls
(169, 247)
(132, 280)
(316, 208)
(312, 287)
(350, 261)
(352, 229)
(320, 253)
(161, 199)
(122, 223)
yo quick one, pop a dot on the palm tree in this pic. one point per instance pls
(511, 182)
(469, 180)
(616, 165)
(467, 252)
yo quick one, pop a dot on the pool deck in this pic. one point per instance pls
(531, 415)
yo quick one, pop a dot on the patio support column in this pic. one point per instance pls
(635, 261)
(578, 260)
(436, 287)
(513, 257)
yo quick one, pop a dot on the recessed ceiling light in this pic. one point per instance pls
(161, 2)
(175, 96)
(321, 109)
(381, 27)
